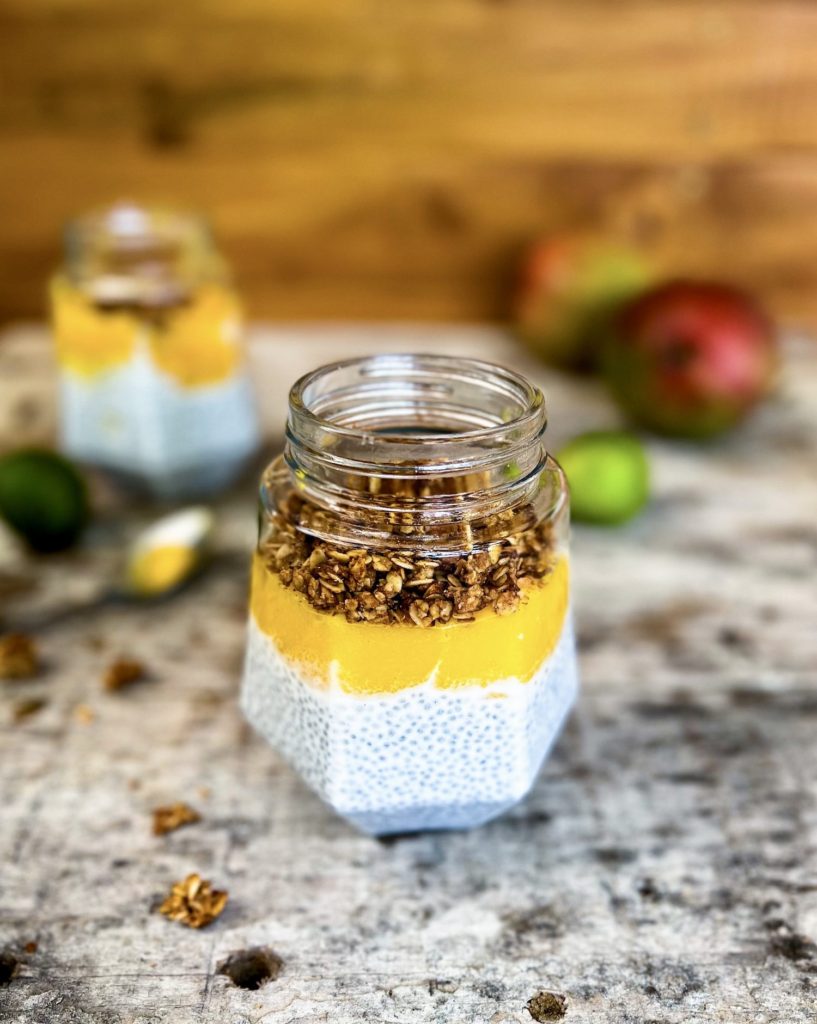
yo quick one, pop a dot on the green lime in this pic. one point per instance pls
(43, 498)
(608, 474)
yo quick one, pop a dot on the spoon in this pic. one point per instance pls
(167, 554)
(158, 562)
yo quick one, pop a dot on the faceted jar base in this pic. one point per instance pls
(420, 758)
(156, 437)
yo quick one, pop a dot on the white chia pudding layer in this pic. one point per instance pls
(136, 420)
(419, 758)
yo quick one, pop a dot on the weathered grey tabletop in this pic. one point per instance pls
(664, 869)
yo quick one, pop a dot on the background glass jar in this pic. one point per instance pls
(410, 647)
(148, 336)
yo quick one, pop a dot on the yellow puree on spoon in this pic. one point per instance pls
(373, 658)
(160, 569)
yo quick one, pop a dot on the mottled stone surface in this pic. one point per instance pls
(664, 868)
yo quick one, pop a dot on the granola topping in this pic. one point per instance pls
(397, 586)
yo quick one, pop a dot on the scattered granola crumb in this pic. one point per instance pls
(193, 902)
(204, 792)
(123, 672)
(30, 947)
(169, 817)
(18, 657)
(545, 1006)
(25, 708)
(84, 714)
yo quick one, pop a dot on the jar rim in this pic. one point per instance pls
(132, 225)
(530, 420)
(422, 449)
(132, 254)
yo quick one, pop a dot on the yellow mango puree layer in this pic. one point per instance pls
(89, 342)
(199, 345)
(369, 658)
(196, 344)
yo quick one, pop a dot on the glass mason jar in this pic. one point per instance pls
(148, 336)
(410, 646)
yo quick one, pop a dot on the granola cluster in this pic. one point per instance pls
(18, 657)
(169, 817)
(123, 673)
(194, 902)
(400, 587)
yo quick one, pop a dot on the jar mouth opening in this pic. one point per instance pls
(415, 449)
(132, 254)
(424, 401)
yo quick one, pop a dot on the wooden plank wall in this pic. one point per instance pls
(386, 158)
